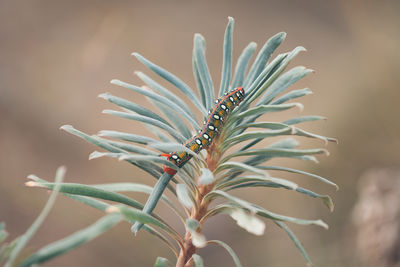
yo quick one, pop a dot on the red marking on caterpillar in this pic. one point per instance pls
(169, 170)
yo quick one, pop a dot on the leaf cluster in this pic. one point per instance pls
(239, 163)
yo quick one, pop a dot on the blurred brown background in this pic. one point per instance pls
(57, 56)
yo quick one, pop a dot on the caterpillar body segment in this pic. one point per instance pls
(212, 127)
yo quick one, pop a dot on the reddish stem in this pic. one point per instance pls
(185, 255)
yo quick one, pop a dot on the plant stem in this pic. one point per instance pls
(185, 255)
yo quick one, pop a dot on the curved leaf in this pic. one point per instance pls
(144, 140)
(263, 57)
(133, 107)
(100, 205)
(256, 84)
(258, 135)
(146, 158)
(292, 95)
(24, 239)
(198, 261)
(173, 80)
(229, 249)
(232, 199)
(197, 78)
(279, 127)
(160, 100)
(238, 166)
(262, 109)
(303, 119)
(73, 241)
(327, 200)
(153, 199)
(295, 240)
(165, 92)
(132, 214)
(254, 182)
(276, 152)
(274, 216)
(283, 82)
(236, 183)
(276, 70)
(203, 71)
(174, 133)
(90, 191)
(279, 168)
(227, 58)
(242, 64)
(150, 168)
(131, 148)
(174, 117)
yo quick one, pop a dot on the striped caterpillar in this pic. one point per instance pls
(217, 116)
(212, 127)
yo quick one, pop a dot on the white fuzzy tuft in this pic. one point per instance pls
(248, 222)
(198, 240)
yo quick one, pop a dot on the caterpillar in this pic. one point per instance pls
(212, 127)
(203, 139)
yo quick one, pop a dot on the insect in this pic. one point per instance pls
(212, 127)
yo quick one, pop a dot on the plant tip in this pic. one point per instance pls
(104, 95)
(112, 209)
(336, 141)
(326, 152)
(135, 228)
(116, 82)
(300, 106)
(66, 127)
(32, 184)
(61, 171)
(301, 49)
(32, 177)
(95, 154)
(323, 224)
(123, 157)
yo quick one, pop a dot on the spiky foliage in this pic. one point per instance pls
(10, 251)
(233, 161)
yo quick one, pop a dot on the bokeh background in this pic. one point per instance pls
(57, 56)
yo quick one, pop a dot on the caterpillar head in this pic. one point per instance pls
(240, 93)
